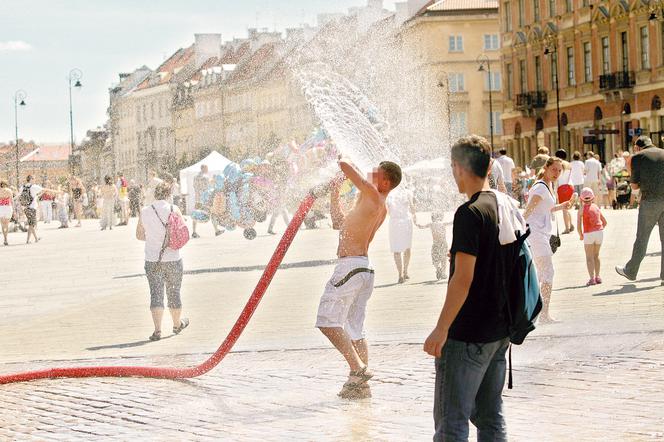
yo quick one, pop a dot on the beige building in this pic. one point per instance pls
(447, 37)
(122, 122)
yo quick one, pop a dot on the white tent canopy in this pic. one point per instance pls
(215, 162)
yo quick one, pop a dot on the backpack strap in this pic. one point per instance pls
(164, 243)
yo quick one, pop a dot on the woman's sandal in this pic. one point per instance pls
(184, 323)
(155, 336)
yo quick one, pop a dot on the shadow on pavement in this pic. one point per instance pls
(628, 289)
(126, 344)
(291, 265)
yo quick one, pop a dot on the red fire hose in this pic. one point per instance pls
(222, 351)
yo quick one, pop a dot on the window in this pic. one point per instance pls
(522, 13)
(455, 82)
(491, 42)
(554, 69)
(138, 114)
(569, 7)
(606, 56)
(552, 8)
(497, 124)
(571, 81)
(623, 51)
(538, 74)
(456, 43)
(508, 74)
(492, 83)
(536, 10)
(152, 110)
(645, 48)
(587, 63)
(522, 77)
(507, 8)
(458, 124)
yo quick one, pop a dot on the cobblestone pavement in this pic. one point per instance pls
(75, 299)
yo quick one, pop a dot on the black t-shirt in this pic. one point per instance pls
(482, 316)
(648, 173)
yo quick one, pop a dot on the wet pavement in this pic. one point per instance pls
(77, 298)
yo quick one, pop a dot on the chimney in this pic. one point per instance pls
(207, 46)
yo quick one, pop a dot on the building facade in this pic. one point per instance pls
(581, 76)
(453, 39)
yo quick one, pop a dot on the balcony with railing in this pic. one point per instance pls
(531, 102)
(616, 80)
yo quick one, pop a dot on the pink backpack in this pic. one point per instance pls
(177, 233)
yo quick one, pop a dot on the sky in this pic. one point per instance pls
(41, 41)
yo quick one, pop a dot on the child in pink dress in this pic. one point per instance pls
(591, 224)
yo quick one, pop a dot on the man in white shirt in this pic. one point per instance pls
(507, 165)
(593, 169)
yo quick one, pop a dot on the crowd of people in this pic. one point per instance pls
(472, 318)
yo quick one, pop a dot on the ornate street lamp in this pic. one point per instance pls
(481, 61)
(19, 100)
(551, 47)
(75, 76)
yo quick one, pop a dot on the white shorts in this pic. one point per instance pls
(344, 302)
(6, 212)
(595, 237)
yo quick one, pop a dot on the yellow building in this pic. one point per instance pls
(446, 38)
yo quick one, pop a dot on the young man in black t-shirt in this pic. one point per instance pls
(471, 336)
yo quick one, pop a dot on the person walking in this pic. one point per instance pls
(163, 265)
(593, 171)
(647, 175)
(470, 338)
(591, 224)
(439, 245)
(539, 211)
(134, 194)
(401, 210)
(6, 209)
(507, 164)
(577, 172)
(28, 197)
(565, 189)
(62, 207)
(122, 197)
(109, 195)
(77, 191)
(46, 206)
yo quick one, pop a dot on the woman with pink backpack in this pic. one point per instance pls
(162, 228)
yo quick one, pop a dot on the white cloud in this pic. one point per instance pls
(6, 46)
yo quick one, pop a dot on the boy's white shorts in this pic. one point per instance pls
(344, 301)
(595, 237)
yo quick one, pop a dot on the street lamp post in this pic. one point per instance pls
(446, 84)
(552, 48)
(19, 100)
(481, 60)
(75, 76)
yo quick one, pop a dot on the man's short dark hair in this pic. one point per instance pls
(473, 153)
(392, 171)
(503, 151)
(28, 178)
(562, 154)
(162, 191)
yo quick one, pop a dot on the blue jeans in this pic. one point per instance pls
(469, 384)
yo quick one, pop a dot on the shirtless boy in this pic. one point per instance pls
(343, 305)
